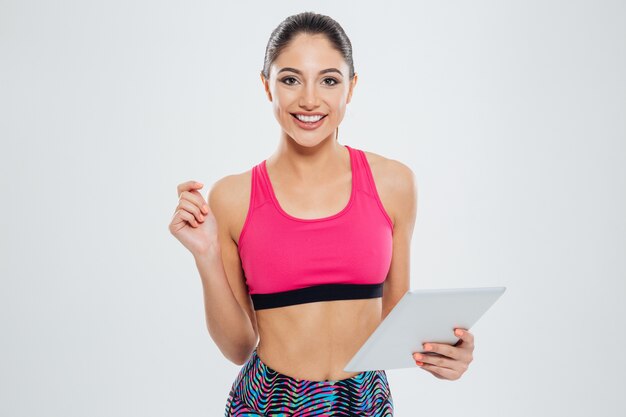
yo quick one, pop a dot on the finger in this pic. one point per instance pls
(465, 335)
(444, 373)
(195, 198)
(435, 359)
(204, 205)
(192, 208)
(188, 185)
(188, 217)
(443, 349)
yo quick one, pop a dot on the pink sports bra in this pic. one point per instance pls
(288, 260)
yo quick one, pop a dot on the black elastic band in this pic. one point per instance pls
(323, 292)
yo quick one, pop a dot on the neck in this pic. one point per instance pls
(303, 163)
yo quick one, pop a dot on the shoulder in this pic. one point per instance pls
(396, 185)
(390, 170)
(229, 198)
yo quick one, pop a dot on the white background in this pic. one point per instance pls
(512, 114)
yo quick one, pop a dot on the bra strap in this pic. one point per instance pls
(360, 170)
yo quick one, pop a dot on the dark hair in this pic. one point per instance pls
(309, 23)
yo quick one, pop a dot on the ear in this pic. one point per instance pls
(351, 90)
(266, 86)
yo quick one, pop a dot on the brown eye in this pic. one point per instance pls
(333, 80)
(284, 80)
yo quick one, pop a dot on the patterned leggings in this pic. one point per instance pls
(259, 390)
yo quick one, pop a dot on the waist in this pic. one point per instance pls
(315, 341)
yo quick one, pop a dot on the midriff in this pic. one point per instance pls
(315, 341)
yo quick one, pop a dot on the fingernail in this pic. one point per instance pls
(419, 363)
(205, 208)
(427, 347)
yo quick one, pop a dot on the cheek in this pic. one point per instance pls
(280, 111)
(338, 100)
(282, 101)
(338, 108)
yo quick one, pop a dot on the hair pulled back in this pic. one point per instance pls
(310, 23)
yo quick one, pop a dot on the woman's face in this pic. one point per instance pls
(309, 77)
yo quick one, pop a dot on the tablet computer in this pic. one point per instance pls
(428, 315)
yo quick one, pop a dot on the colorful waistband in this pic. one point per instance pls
(261, 389)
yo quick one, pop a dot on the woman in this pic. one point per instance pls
(309, 249)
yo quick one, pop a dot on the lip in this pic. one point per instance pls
(310, 114)
(309, 126)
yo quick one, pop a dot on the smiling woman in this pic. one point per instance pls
(343, 257)
(307, 251)
(311, 40)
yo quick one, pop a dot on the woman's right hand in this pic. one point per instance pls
(193, 223)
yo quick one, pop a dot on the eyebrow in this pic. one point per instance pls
(297, 71)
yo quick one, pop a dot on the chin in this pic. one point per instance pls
(310, 142)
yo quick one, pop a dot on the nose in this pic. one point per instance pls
(309, 97)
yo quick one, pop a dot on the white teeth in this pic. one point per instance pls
(308, 119)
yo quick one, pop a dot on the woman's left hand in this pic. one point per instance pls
(446, 361)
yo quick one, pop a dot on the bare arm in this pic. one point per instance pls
(400, 191)
(230, 317)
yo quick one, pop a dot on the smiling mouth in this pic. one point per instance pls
(296, 117)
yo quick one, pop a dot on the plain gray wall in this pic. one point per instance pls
(511, 114)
